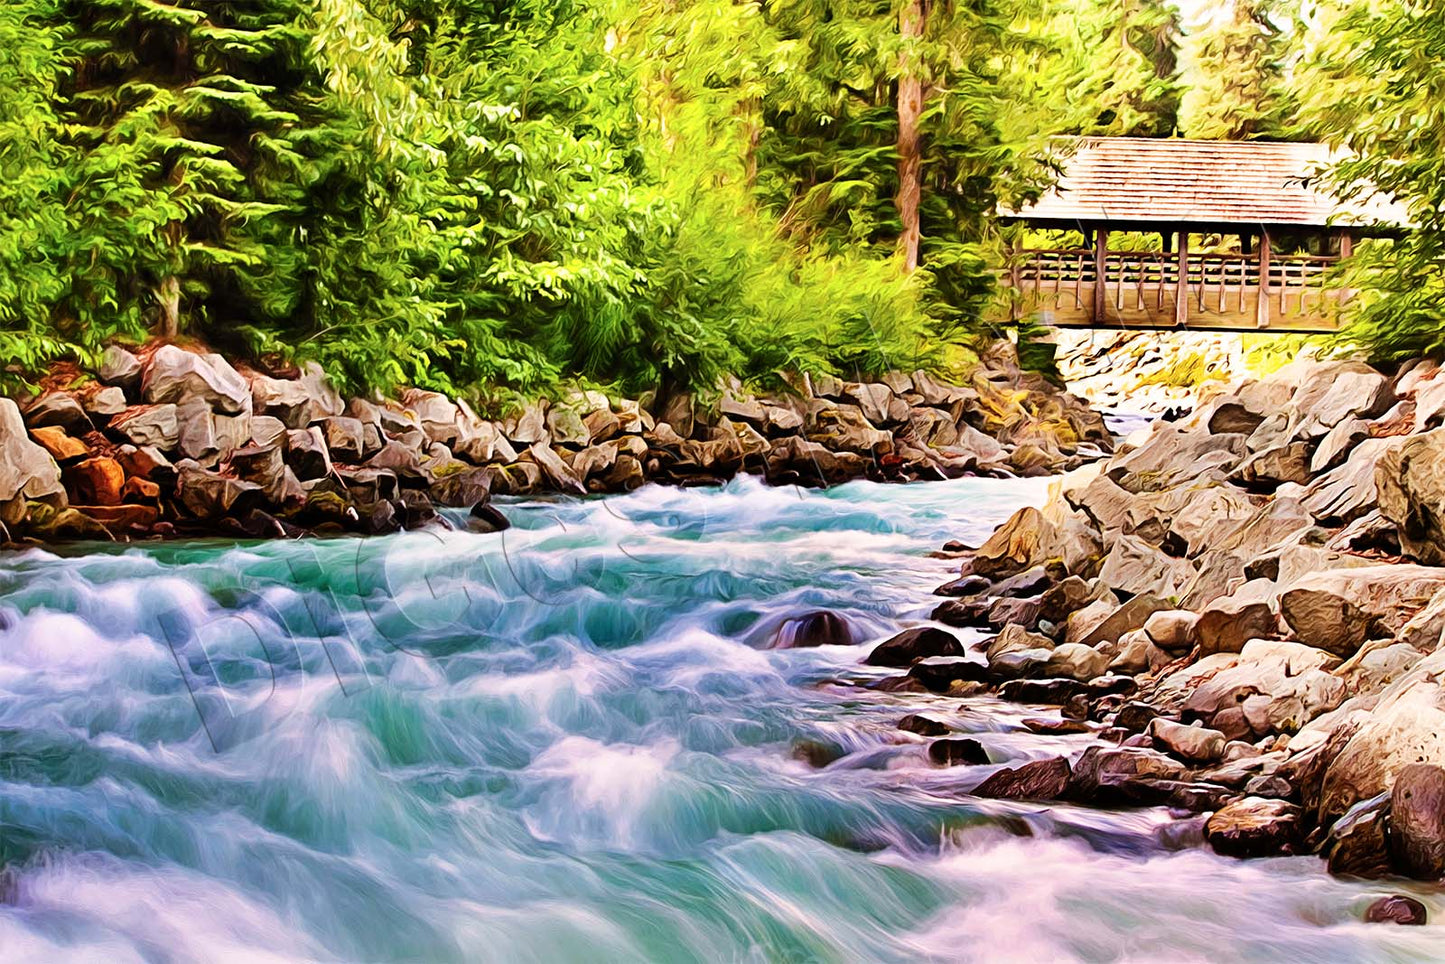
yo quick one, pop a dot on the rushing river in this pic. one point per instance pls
(566, 743)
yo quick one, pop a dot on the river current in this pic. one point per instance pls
(567, 742)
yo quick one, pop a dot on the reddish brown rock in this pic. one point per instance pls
(96, 481)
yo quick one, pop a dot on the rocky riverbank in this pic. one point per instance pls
(1245, 607)
(170, 441)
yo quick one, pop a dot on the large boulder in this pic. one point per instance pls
(175, 374)
(1255, 827)
(1349, 491)
(1135, 566)
(1417, 822)
(1031, 537)
(1407, 726)
(282, 398)
(26, 470)
(1171, 456)
(1037, 780)
(1227, 623)
(1410, 482)
(1339, 609)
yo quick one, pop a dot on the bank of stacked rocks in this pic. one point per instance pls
(1246, 607)
(175, 441)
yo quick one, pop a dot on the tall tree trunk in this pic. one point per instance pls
(168, 293)
(910, 159)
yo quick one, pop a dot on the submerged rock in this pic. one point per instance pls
(818, 628)
(1397, 909)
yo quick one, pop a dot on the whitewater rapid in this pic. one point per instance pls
(566, 742)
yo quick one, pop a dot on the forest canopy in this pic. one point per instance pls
(480, 194)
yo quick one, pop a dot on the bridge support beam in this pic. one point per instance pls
(1101, 266)
(1181, 285)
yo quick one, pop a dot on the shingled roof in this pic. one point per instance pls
(1138, 180)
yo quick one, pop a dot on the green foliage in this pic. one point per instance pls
(1373, 85)
(1237, 73)
(484, 195)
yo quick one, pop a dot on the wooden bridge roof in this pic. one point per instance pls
(1148, 181)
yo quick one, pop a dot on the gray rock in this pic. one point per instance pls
(144, 425)
(1347, 492)
(1037, 780)
(566, 427)
(558, 474)
(1337, 444)
(209, 495)
(196, 432)
(1227, 623)
(281, 398)
(120, 368)
(344, 437)
(105, 401)
(266, 430)
(1077, 662)
(437, 414)
(26, 470)
(1397, 909)
(1410, 481)
(58, 408)
(914, 644)
(325, 400)
(307, 454)
(174, 374)
(1125, 618)
(1135, 566)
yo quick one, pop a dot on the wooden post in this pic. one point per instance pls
(1347, 244)
(1261, 315)
(1181, 285)
(1101, 264)
(1015, 282)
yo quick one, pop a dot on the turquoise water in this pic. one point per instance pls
(567, 742)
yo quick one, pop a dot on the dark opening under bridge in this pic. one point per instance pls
(1272, 196)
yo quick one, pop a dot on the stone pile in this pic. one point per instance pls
(1246, 607)
(175, 441)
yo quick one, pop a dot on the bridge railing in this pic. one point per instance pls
(1148, 281)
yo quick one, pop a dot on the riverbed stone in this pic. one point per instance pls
(914, 644)
(1036, 780)
(959, 751)
(1173, 630)
(1397, 909)
(1227, 623)
(1255, 827)
(1192, 744)
(58, 408)
(1417, 821)
(26, 470)
(120, 368)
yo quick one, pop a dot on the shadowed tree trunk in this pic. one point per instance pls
(911, 17)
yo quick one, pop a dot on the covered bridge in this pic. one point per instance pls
(1274, 225)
